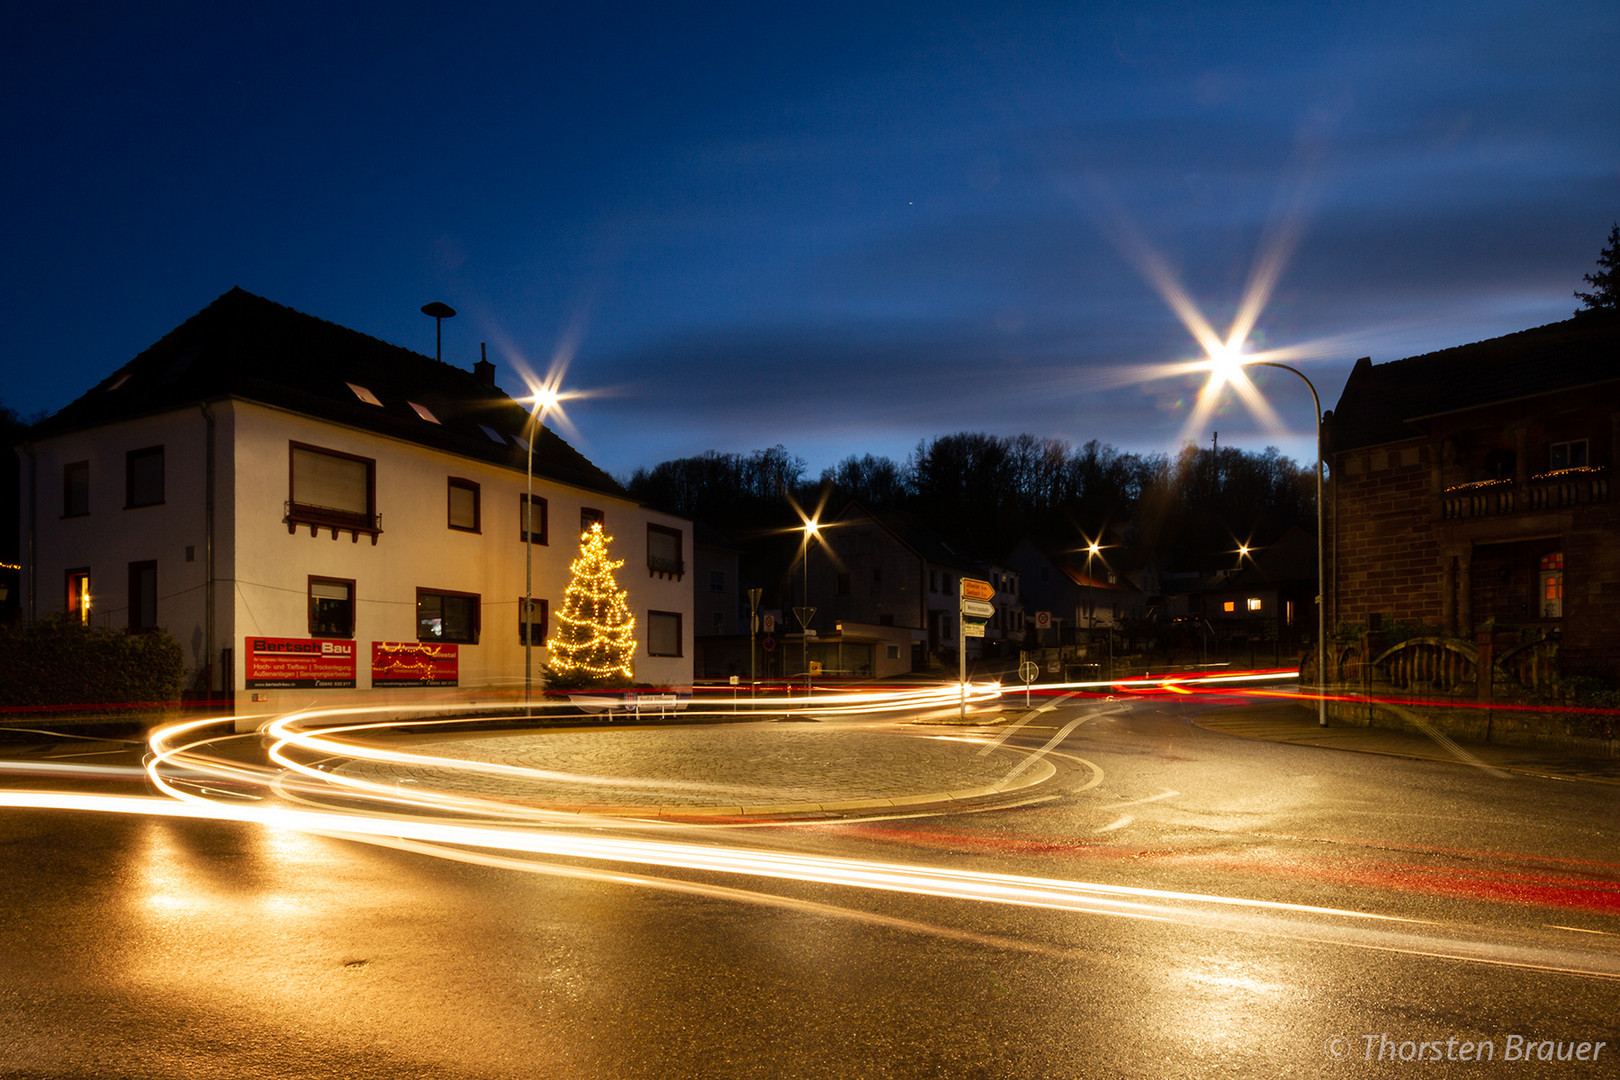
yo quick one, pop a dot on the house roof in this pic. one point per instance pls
(1292, 558)
(248, 348)
(1382, 402)
(919, 536)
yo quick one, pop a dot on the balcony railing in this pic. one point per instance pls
(661, 564)
(1579, 486)
(322, 517)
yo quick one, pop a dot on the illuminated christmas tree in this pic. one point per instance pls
(594, 641)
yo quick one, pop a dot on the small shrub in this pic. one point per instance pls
(56, 662)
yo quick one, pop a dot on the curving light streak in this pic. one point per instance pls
(529, 839)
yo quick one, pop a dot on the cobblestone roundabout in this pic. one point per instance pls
(718, 768)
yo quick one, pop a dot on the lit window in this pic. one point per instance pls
(424, 412)
(1254, 603)
(78, 596)
(143, 477)
(1230, 605)
(663, 633)
(1552, 586)
(463, 505)
(447, 617)
(364, 395)
(331, 607)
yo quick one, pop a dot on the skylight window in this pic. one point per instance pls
(364, 395)
(494, 436)
(120, 381)
(521, 441)
(424, 412)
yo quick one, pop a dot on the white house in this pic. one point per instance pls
(322, 517)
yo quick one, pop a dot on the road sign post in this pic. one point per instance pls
(1027, 671)
(978, 593)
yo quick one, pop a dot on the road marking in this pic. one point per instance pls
(1120, 824)
(1165, 794)
(1037, 755)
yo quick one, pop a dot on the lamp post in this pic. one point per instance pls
(1321, 538)
(807, 612)
(542, 400)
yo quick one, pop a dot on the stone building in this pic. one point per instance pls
(1470, 492)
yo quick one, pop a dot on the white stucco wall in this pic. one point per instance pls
(417, 549)
(262, 571)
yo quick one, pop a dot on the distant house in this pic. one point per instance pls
(1471, 488)
(310, 509)
(1078, 599)
(1268, 605)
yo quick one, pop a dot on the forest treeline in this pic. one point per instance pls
(990, 491)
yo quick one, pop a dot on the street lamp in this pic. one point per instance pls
(544, 398)
(1321, 546)
(811, 527)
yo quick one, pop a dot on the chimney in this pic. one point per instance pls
(484, 371)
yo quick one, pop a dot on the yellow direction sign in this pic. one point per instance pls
(974, 589)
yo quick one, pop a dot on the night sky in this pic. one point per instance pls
(842, 228)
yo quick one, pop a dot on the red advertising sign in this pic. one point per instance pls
(413, 663)
(303, 663)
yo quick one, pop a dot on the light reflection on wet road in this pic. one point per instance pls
(1274, 898)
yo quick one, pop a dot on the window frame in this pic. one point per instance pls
(70, 469)
(461, 483)
(542, 537)
(590, 515)
(136, 599)
(144, 453)
(657, 564)
(1568, 446)
(78, 612)
(331, 517)
(476, 620)
(680, 631)
(310, 593)
(544, 621)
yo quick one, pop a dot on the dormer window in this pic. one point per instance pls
(364, 395)
(424, 412)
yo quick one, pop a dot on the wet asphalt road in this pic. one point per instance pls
(137, 947)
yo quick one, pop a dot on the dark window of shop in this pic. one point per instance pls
(331, 607)
(446, 616)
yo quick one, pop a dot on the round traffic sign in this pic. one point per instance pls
(768, 644)
(1028, 670)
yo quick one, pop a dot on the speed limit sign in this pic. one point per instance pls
(1043, 620)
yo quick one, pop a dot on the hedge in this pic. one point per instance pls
(55, 662)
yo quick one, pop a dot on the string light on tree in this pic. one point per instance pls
(594, 641)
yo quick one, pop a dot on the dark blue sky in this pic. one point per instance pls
(841, 227)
